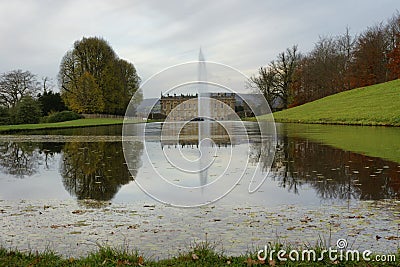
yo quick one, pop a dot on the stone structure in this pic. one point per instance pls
(185, 107)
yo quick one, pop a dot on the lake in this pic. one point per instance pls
(73, 189)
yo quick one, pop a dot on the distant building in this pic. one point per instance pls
(185, 107)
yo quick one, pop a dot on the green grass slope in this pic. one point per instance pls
(372, 105)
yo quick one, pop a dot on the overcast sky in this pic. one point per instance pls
(34, 35)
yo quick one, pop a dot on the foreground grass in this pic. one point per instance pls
(202, 255)
(60, 125)
(372, 105)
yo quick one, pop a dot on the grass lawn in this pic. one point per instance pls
(64, 124)
(200, 256)
(372, 105)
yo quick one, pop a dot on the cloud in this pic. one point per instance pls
(156, 34)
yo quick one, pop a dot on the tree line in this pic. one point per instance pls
(335, 64)
(92, 79)
(25, 99)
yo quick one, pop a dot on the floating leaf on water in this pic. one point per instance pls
(306, 219)
(77, 211)
(392, 237)
(75, 233)
(135, 226)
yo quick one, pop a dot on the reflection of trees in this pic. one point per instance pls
(96, 170)
(283, 167)
(332, 172)
(23, 158)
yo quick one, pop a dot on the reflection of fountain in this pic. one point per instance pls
(203, 109)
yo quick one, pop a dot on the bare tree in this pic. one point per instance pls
(16, 84)
(392, 30)
(47, 84)
(265, 82)
(275, 80)
(284, 67)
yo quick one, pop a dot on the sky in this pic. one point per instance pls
(153, 35)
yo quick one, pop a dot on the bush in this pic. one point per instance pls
(51, 102)
(62, 116)
(27, 110)
(4, 116)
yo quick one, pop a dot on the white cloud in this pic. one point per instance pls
(156, 34)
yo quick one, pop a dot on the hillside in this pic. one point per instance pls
(372, 105)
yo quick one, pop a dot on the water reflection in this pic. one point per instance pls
(88, 170)
(332, 172)
(95, 170)
(23, 159)
(188, 134)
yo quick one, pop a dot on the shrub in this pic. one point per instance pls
(26, 111)
(4, 116)
(51, 102)
(62, 116)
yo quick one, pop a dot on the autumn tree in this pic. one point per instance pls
(86, 97)
(323, 71)
(335, 64)
(392, 30)
(394, 61)
(370, 58)
(16, 84)
(93, 71)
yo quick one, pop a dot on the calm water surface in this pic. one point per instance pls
(84, 169)
(89, 163)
